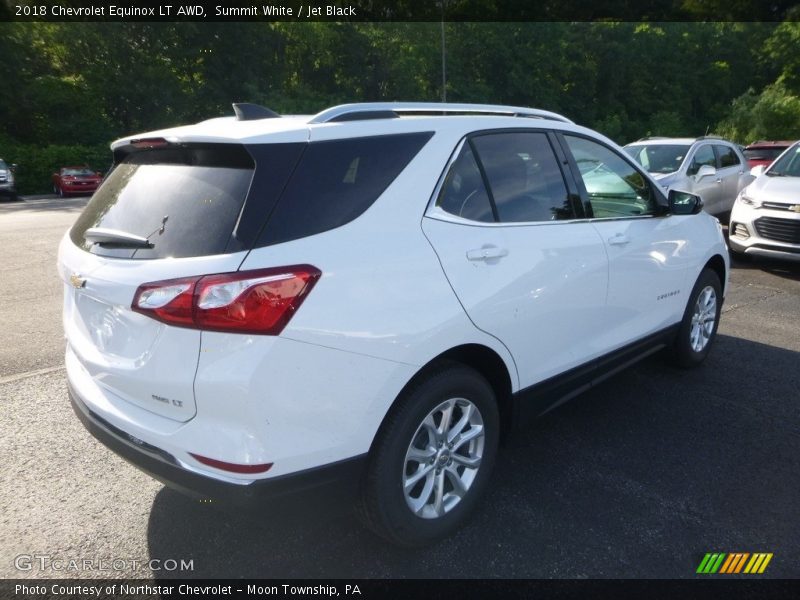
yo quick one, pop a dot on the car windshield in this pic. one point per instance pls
(659, 158)
(770, 153)
(3, 165)
(788, 165)
(77, 172)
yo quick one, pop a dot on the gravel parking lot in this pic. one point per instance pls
(638, 478)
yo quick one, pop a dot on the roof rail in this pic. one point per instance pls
(384, 110)
(710, 137)
(653, 137)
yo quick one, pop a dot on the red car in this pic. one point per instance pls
(763, 153)
(76, 180)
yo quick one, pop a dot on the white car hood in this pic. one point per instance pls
(775, 189)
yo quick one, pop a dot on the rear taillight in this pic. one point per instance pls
(260, 302)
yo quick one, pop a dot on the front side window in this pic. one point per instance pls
(613, 187)
(727, 156)
(524, 177)
(703, 156)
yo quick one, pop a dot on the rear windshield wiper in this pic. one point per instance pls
(115, 238)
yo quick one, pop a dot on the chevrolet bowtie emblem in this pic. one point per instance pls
(77, 281)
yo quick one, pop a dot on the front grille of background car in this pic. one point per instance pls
(780, 230)
(776, 205)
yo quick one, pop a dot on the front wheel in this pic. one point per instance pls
(698, 329)
(432, 459)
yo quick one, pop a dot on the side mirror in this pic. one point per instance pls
(706, 171)
(757, 171)
(684, 203)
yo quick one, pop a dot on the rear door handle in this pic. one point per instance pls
(619, 240)
(487, 253)
(719, 180)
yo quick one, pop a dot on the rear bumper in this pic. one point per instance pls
(337, 480)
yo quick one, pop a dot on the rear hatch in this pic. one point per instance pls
(198, 209)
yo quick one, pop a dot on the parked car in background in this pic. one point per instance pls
(269, 313)
(763, 153)
(765, 220)
(8, 185)
(713, 168)
(76, 180)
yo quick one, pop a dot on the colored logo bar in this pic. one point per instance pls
(732, 563)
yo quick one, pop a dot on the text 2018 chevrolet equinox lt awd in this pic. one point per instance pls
(370, 297)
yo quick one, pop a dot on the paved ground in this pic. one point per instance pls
(638, 478)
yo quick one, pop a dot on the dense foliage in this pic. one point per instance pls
(71, 88)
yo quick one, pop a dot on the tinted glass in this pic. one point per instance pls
(787, 165)
(77, 172)
(336, 181)
(200, 189)
(727, 156)
(659, 158)
(463, 193)
(613, 186)
(3, 165)
(763, 153)
(524, 177)
(703, 156)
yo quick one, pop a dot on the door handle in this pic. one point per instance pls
(619, 239)
(719, 180)
(487, 253)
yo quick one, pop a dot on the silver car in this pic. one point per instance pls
(710, 167)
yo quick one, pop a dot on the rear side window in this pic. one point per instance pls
(200, 189)
(463, 193)
(336, 181)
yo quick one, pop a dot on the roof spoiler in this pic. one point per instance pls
(252, 112)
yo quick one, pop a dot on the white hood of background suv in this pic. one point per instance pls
(775, 189)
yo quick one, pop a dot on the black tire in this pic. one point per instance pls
(383, 506)
(683, 352)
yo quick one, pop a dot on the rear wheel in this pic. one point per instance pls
(433, 457)
(698, 328)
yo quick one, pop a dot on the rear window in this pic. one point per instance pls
(659, 158)
(336, 181)
(764, 153)
(200, 189)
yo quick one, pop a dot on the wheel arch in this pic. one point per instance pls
(717, 264)
(482, 359)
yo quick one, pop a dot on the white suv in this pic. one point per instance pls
(766, 217)
(710, 167)
(370, 298)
